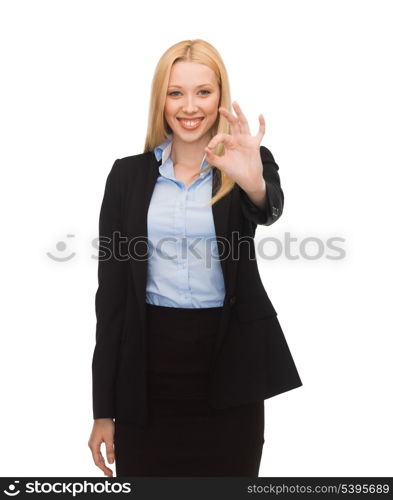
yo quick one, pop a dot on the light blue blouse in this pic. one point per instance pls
(184, 269)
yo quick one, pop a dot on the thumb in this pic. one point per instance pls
(214, 159)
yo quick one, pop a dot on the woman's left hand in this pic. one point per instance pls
(242, 159)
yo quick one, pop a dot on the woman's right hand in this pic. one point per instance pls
(103, 432)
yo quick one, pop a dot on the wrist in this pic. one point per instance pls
(257, 194)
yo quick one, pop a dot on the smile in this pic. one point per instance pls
(190, 124)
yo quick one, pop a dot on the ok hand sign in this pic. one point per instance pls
(242, 160)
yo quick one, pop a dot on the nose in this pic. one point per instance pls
(189, 106)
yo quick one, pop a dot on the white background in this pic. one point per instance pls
(75, 89)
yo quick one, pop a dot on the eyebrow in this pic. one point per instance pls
(202, 85)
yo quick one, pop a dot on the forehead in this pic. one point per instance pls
(185, 73)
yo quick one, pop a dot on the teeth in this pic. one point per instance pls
(189, 123)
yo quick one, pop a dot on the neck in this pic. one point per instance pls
(189, 154)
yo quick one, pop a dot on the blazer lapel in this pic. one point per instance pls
(136, 223)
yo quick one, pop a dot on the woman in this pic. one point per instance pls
(188, 345)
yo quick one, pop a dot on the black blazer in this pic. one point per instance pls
(252, 360)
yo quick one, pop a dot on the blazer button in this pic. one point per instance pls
(232, 300)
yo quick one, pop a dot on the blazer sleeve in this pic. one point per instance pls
(274, 202)
(110, 299)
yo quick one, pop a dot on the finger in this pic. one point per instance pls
(214, 159)
(211, 157)
(104, 468)
(234, 122)
(262, 128)
(99, 460)
(227, 139)
(110, 451)
(244, 127)
(101, 464)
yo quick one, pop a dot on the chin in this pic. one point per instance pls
(189, 136)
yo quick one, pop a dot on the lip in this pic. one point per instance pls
(199, 118)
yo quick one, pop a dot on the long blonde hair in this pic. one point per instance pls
(191, 51)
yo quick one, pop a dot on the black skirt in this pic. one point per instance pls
(184, 435)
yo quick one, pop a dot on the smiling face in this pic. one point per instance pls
(192, 100)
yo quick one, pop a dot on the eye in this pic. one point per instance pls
(178, 91)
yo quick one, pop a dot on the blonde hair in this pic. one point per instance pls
(191, 51)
